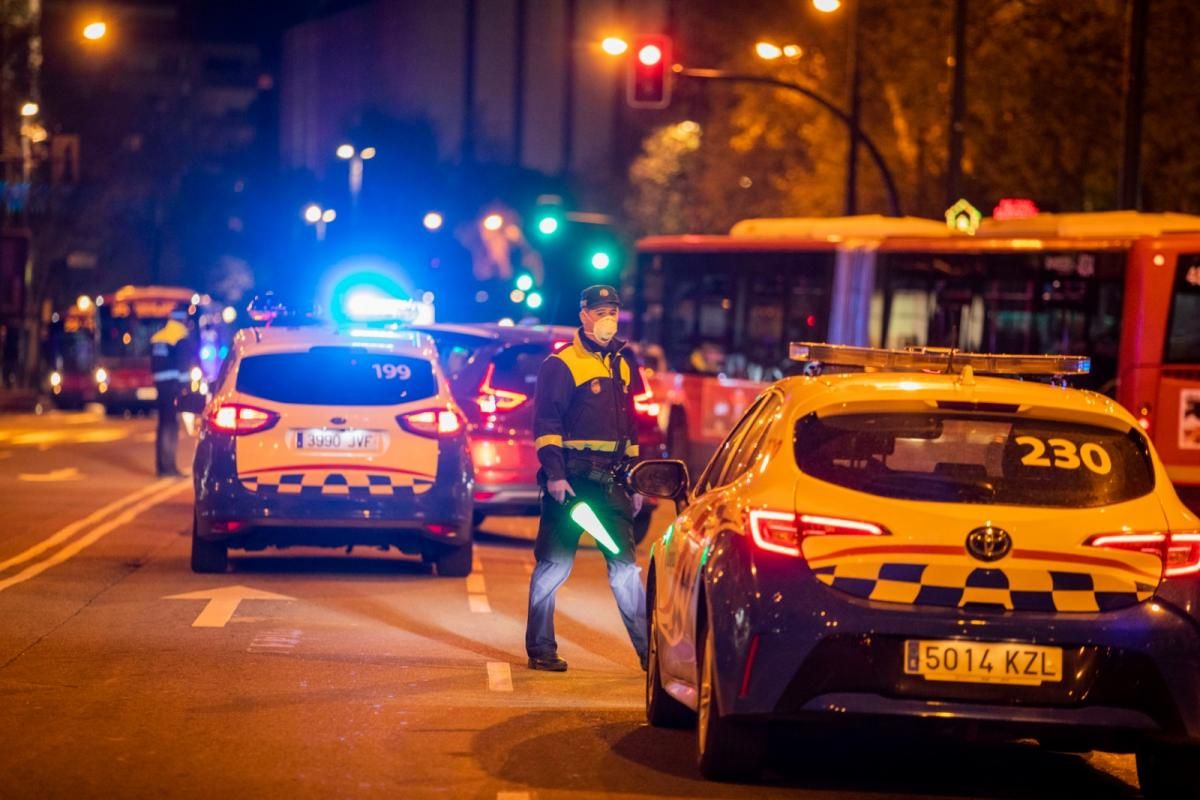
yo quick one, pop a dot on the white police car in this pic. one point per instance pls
(332, 437)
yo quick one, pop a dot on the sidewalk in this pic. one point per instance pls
(21, 401)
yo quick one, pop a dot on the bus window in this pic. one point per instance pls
(1006, 302)
(733, 313)
(1183, 336)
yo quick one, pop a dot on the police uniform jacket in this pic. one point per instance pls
(583, 404)
(169, 360)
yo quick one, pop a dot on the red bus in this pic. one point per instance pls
(70, 355)
(1121, 287)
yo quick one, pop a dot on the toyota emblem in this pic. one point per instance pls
(988, 543)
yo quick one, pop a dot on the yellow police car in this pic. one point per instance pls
(920, 536)
(333, 437)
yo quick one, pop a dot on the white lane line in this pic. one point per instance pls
(275, 641)
(477, 599)
(513, 796)
(95, 535)
(75, 527)
(479, 604)
(499, 676)
(476, 584)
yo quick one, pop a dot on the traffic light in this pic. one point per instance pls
(650, 72)
(548, 216)
(600, 260)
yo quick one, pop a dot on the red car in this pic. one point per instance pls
(493, 371)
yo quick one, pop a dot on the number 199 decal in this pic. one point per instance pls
(1066, 454)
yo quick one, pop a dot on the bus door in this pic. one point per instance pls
(1177, 421)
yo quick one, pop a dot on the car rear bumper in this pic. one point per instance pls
(240, 517)
(508, 499)
(1133, 672)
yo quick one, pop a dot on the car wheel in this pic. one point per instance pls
(454, 561)
(207, 556)
(728, 750)
(662, 710)
(1168, 772)
(641, 524)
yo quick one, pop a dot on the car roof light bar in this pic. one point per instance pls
(937, 359)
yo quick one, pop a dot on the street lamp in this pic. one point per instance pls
(319, 218)
(346, 152)
(768, 51)
(95, 31)
(433, 221)
(30, 109)
(854, 104)
(827, 6)
(614, 46)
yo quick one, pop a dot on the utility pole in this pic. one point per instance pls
(468, 118)
(954, 188)
(518, 107)
(855, 107)
(568, 118)
(1135, 84)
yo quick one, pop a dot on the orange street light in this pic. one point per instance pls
(792, 51)
(768, 51)
(827, 6)
(29, 109)
(614, 45)
(95, 31)
(345, 151)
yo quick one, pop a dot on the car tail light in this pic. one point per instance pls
(1179, 551)
(238, 419)
(644, 403)
(490, 399)
(784, 532)
(435, 423)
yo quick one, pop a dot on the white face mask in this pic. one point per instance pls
(605, 329)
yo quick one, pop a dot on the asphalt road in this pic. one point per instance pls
(355, 675)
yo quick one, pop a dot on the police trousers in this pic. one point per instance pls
(558, 539)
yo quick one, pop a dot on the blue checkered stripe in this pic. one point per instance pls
(326, 484)
(1015, 589)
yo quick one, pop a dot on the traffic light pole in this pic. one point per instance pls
(763, 80)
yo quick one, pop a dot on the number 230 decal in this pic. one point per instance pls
(1066, 454)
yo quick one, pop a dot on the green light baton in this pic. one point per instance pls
(585, 518)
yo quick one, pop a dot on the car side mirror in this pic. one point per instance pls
(191, 402)
(666, 478)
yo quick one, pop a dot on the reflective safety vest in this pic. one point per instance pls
(584, 404)
(167, 361)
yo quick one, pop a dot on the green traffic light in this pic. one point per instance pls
(586, 518)
(548, 225)
(601, 260)
(533, 300)
(525, 283)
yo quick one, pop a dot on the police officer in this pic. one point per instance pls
(585, 428)
(171, 366)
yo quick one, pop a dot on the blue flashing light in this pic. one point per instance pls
(224, 351)
(207, 352)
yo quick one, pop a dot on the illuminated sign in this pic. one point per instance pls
(1015, 208)
(963, 217)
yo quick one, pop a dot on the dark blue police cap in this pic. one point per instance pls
(599, 295)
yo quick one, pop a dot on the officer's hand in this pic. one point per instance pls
(638, 502)
(559, 490)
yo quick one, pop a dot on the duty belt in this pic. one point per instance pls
(596, 469)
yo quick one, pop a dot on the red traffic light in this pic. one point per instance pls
(650, 55)
(649, 74)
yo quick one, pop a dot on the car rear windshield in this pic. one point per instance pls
(517, 367)
(976, 458)
(337, 376)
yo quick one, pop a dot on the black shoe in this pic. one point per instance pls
(551, 664)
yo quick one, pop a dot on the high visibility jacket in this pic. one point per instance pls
(169, 360)
(583, 404)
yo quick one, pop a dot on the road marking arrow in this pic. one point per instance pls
(223, 602)
(53, 476)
